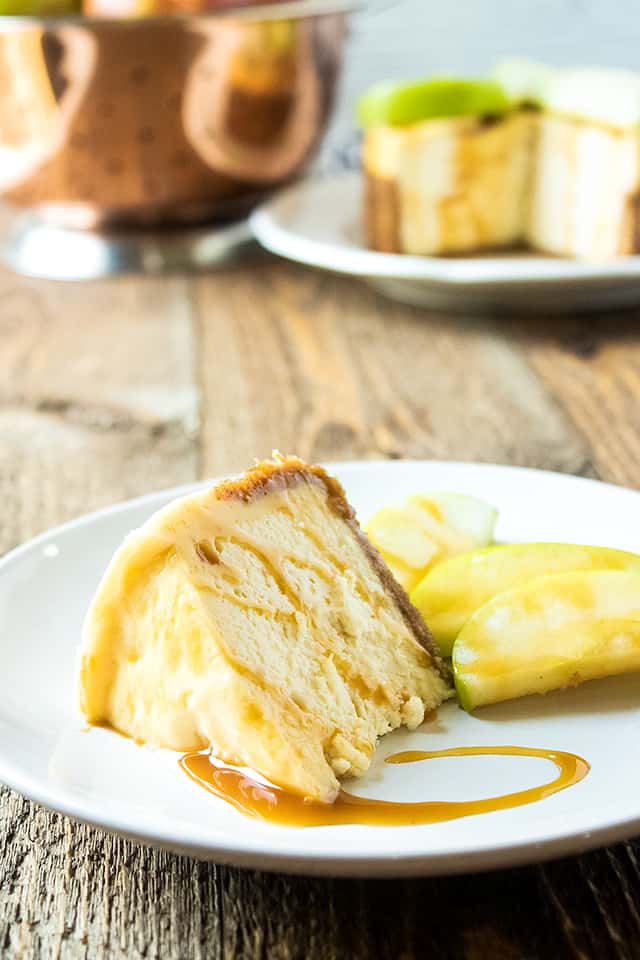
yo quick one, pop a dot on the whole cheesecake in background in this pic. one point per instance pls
(257, 620)
(535, 156)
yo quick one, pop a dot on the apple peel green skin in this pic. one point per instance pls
(38, 8)
(453, 590)
(554, 632)
(401, 104)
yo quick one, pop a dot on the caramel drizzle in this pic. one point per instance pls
(275, 805)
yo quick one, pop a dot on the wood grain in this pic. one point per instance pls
(592, 366)
(97, 397)
(109, 390)
(322, 366)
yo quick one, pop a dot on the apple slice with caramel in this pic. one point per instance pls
(426, 529)
(451, 592)
(554, 632)
(401, 104)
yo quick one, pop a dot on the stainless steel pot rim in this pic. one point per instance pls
(288, 10)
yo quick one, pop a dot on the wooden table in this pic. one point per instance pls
(108, 390)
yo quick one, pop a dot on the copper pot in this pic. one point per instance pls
(163, 120)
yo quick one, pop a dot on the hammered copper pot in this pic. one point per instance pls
(171, 120)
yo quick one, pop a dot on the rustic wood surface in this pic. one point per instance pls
(111, 389)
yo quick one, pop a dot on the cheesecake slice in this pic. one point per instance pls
(256, 619)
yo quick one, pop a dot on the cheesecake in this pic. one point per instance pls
(538, 157)
(254, 619)
(446, 166)
(585, 166)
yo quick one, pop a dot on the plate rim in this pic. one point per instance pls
(464, 273)
(266, 855)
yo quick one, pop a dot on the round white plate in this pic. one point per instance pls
(104, 779)
(319, 222)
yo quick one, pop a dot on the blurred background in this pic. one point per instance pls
(118, 119)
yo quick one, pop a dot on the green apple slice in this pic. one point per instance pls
(474, 517)
(554, 632)
(400, 104)
(39, 8)
(425, 529)
(451, 592)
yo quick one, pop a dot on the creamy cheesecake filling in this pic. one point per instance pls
(558, 184)
(261, 628)
(461, 184)
(584, 176)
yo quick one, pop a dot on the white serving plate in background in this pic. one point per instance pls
(318, 222)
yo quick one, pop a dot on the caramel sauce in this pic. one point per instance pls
(275, 805)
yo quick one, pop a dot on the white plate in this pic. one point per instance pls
(318, 222)
(104, 779)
